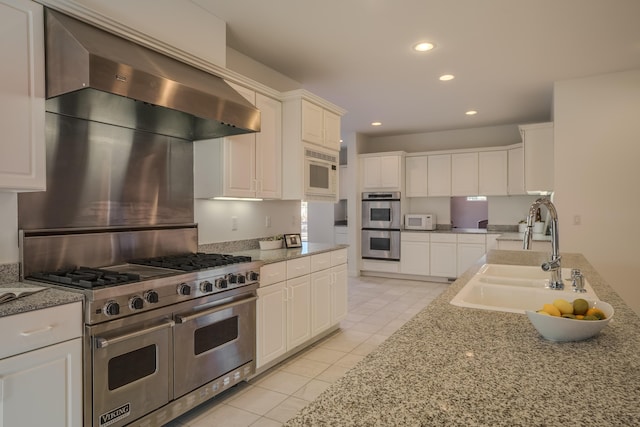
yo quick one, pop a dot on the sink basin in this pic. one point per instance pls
(515, 289)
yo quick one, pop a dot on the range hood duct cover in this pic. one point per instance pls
(86, 66)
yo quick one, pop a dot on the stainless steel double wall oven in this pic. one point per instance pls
(380, 232)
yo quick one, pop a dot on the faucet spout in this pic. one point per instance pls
(554, 264)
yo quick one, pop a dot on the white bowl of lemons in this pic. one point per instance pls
(571, 320)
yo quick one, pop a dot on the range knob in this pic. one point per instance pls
(151, 297)
(253, 276)
(221, 283)
(206, 286)
(184, 289)
(242, 279)
(111, 308)
(232, 278)
(136, 303)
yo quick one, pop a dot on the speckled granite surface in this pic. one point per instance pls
(48, 298)
(520, 236)
(277, 255)
(9, 273)
(454, 366)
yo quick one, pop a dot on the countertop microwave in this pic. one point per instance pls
(419, 222)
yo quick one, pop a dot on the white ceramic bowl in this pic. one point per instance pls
(556, 328)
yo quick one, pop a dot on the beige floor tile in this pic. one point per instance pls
(305, 367)
(350, 360)
(325, 355)
(258, 400)
(227, 416)
(266, 422)
(282, 382)
(332, 373)
(311, 390)
(287, 409)
(366, 327)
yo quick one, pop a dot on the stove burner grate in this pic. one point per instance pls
(86, 277)
(191, 261)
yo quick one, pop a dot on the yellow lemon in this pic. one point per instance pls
(551, 309)
(564, 306)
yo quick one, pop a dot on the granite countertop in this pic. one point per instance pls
(44, 299)
(453, 366)
(277, 255)
(520, 237)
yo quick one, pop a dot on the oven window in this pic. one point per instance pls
(132, 366)
(214, 335)
(318, 176)
(380, 244)
(380, 214)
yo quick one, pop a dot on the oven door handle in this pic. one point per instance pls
(105, 342)
(190, 317)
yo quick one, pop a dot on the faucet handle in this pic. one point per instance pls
(578, 282)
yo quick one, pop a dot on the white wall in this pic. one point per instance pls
(490, 136)
(597, 173)
(8, 228)
(257, 71)
(214, 218)
(320, 222)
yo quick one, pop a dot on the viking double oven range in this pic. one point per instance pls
(164, 330)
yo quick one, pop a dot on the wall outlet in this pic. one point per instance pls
(234, 223)
(577, 220)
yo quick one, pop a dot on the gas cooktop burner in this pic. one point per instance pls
(191, 261)
(86, 277)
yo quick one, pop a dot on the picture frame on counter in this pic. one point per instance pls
(292, 241)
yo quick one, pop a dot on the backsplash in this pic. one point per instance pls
(227, 247)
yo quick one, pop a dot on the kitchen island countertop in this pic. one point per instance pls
(453, 366)
(47, 298)
(284, 254)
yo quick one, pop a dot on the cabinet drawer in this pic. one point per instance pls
(339, 257)
(298, 267)
(273, 273)
(414, 237)
(320, 261)
(35, 329)
(471, 238)
(443, 238)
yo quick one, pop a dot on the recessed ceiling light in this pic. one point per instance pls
(471, 113)
(376, 124)
(423, 46)
(447, 77)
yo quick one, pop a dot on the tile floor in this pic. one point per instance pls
(377, 308)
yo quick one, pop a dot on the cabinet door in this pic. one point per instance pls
(298, 311)
(390, 172)
(416, 176)
(414, 258)
(312, 123)
(492, 173)
(464, 174)
(443, 257)
(240, 166)
(271, 315)
(320, 301)
(371, 174)
(339, 293)
(268, 148)
(439, 175)
(22, 146)
(42, 387)
(516, 171)
(331, 130)
(468, 254)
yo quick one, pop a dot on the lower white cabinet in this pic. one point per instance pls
(293, 311)
(470, 248)
(41, 367)
(414, 253)
(443, 255)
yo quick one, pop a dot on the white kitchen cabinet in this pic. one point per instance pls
(248, 165)
(271, 319)
(470, 248)
(321, 297)
(464, 174)
(537, 141)
(416, 168)
(22, 95)
(492, 241)
(492, 173)
(439, 175)
(414, 253)
(443, 255)
(320, 126)
(298, 311)
(41, 367)
(382, 172)
(339, 292)
(340, 235)
(516, 171)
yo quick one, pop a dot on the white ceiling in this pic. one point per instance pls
(505, 54)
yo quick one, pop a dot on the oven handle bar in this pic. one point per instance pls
(190, 317)
(104, 342)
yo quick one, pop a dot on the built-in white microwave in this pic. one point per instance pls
(320, 175)
(419, 222)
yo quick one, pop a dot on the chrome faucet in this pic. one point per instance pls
(553, 265)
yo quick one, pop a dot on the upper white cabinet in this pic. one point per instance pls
(537, 141)
(320, 126)
(516, 171)
(382, 172)
(439, 175)
(492, 173)
(248, 165)
(22, 93)
(416, 168)
(464, 174)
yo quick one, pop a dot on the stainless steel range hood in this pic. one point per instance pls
(87, 66)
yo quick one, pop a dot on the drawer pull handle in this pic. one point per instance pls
(36, 331)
